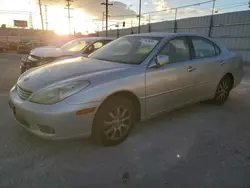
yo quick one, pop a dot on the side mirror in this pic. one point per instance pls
(162, 60)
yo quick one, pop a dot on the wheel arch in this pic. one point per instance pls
(129, 95)
(230, 75)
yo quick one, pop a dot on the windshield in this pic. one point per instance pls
(129, 50)
(74, 45)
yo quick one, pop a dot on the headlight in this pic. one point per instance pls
(31, 58)
(59, 92)
(40, 63)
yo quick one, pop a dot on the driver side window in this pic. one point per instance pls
(93, 47)
(177, 50)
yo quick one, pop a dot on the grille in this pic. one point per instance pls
(23, 94)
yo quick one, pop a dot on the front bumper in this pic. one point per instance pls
(60, 117)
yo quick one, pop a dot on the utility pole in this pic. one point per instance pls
(139, 26)
(149, 23)
(46, 17)
(175, 20)
(107, 4)
(117, 30)
(211, 20)
(103, 14)
(132, 32)
(41, 13)
(30, 20)
(69, 17)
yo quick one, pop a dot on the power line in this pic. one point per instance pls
(185, 6)
(232, 4)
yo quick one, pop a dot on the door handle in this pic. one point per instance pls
(222, 63)
(190, 69)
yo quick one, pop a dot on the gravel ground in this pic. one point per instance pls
(198, 146)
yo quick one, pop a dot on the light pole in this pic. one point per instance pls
(139, 26)
(41, 13)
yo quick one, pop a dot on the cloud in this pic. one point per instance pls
(94, 7)
(189, 10)
(160, 5)
(163, 5)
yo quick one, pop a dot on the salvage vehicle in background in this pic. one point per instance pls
(130, 79)
(74, 48)
(3, 47)
(27, 46)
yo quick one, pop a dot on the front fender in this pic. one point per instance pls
(98, 93)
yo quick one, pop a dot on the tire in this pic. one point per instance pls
(109, 129)
(223, 90)
(22, 70)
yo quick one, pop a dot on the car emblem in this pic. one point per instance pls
(26, 79)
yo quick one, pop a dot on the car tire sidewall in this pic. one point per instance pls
(98, 135)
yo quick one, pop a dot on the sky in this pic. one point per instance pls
(87, 14)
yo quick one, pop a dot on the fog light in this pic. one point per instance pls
(46, 129)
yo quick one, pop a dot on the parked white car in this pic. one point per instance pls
(75, 48)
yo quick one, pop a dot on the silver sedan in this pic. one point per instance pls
(130, 79)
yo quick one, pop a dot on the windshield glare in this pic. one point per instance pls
(74, 46)
(129, 50)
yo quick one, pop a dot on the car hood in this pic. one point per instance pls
(50, 51)
(70, 69)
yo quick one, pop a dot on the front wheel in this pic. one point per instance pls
(223, 90)
(23, 69)
(114, 121)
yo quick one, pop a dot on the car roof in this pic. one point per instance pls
(92, 39)
(164, 34)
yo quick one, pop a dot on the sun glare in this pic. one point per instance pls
(80, 21)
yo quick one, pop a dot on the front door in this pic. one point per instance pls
(172, 84)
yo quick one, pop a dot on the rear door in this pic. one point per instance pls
(209, 66)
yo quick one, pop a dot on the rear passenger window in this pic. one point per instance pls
(203, 48)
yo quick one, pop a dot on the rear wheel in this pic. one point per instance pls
(114, 121)
(223, 90)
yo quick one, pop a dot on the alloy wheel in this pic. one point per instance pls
(117, 123)
(223, 90)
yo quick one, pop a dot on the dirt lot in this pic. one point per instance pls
(199, 146)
